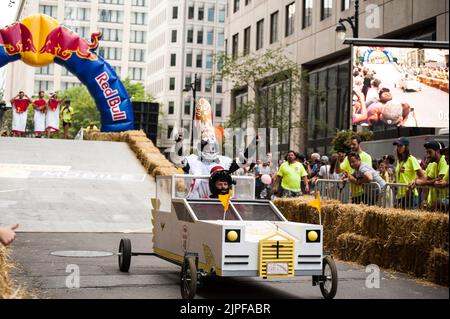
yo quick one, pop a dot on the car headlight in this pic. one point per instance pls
(313, 236)
(232, 235)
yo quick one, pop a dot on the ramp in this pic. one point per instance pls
(49, 185)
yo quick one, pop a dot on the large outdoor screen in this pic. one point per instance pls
(400, 87)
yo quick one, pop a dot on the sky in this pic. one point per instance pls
(8, 10)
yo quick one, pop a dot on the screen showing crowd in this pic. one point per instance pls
(401, 87)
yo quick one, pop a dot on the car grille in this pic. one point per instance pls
(276, 251)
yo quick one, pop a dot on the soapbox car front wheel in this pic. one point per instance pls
(329, 282)
(188, 282)
(124, 254)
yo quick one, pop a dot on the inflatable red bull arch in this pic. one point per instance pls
(39, 40)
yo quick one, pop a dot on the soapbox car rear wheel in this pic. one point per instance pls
(124, 254)
(188, 282)
(329, 282)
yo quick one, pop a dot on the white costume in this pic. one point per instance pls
(207, 157)
(39, 122)
(19, 120)
(53, 115)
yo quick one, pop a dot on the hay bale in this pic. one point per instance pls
(8, 287)
(437, 270)
(391, 238)
(164, 171)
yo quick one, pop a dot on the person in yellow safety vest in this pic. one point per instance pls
(435, 172)
(66, 117)
(91, 128)
(443, 184)
(357, 191)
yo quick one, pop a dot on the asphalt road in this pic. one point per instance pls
(78, 195)
(154, 278)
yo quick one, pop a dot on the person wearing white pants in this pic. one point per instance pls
(19, 105)
(53, 114)
(40, 108)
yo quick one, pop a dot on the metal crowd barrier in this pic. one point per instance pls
(391, 196)
(421, 197)
(370, 194)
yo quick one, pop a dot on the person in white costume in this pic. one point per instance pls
(207, 157)
(54, 108)
(20, 104)
(40, 109)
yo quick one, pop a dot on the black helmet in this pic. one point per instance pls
(220, 175)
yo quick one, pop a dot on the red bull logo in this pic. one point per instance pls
(26, 36)
(112, 97)
(62, 43)
(16, 38)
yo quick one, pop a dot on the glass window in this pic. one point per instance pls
(209, 61)
(189, 59)
(174, 12)
(211, 211)
(208, 85)
(191, 11)
(174, 36)
(51, 11)
(199, 61)
(274, 27)
(235, 46)
(326, 7)
(259, 34)
(257, 212)
(218, 112)
(210, 37)
(173, 59)
(190, 36)
(220, 39)
(290, 19)
(187, 107)
(211, 14)
(172, 84)
(169, 131)
(201, 13)
(200, 37)
(307, 13)
(236, 5)
(171, 110)
(247, 41)
(222, 15)
(345, 5)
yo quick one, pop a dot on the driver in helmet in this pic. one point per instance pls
(220, 183)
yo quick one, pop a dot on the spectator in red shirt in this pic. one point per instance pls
(20, 105)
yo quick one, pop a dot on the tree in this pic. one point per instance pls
(342, 139)
(86, 111)
(276, 83)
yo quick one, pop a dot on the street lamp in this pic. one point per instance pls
(353, 21)
(188, 87)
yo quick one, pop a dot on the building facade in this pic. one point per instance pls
(184, 39)
(123, 44)
(306, 30)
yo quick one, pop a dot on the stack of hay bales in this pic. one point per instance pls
(409, 241)
(7, 285)
(151, 158)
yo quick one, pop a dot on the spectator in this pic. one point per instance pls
(8, 234)
(315, 165)
(20, 104)
(66, 115)
(435, 172)
(383, 171)
(443, 184)
(327, 171)
(345, 167)
(374, 92)
(406, 172)
(291, 173)
(52, 119)
(364, 174)
(389, 160)
(40, 110)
